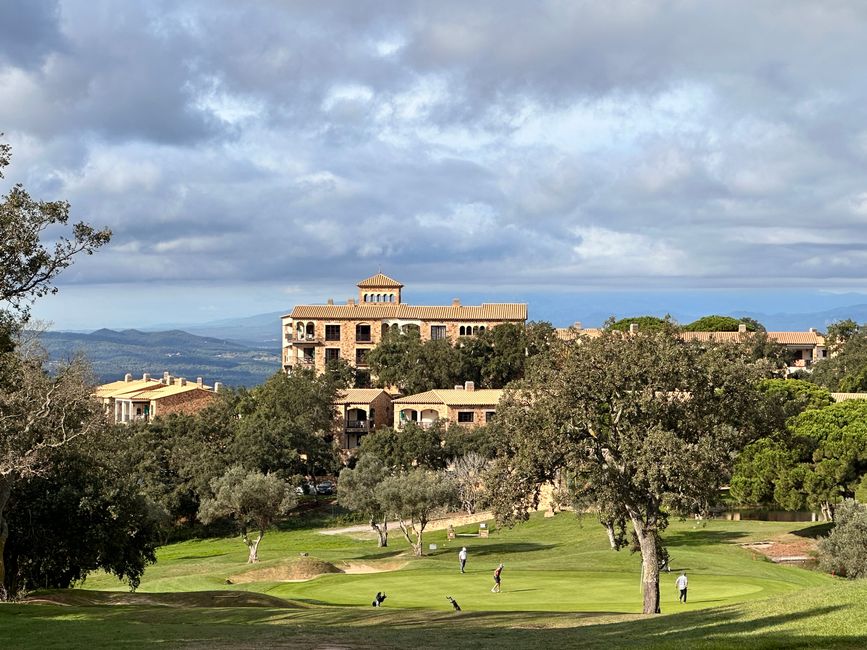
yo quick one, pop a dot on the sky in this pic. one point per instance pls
(249, 156)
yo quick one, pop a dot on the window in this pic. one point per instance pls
(332, 332)
(361, 356)
(362, 332)
(465, 416)
(437, 332)
(489, 416)
(307, 355)
(332, 354)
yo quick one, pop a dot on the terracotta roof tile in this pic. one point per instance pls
(378, 311)
(452, 397)
(785, 338)
(842, 397)
(358, 395)
(379, 280)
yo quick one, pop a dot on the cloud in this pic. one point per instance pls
(576, 144)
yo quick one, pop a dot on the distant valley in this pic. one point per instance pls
(113, 353)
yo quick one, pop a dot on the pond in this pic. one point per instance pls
(759, 514)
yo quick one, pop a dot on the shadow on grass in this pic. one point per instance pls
(504, 548)
(815, 531)
(701, 537)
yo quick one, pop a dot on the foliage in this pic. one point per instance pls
(844, 551)
(357, 491)
(407, 447)
(413, 497)
(284, 427)
(77, 516)
(254, 500)
(787, 398)
(403, 360)
(645, 324)
(460, 440)
(846, 371)
(721, 324)
(645, 425)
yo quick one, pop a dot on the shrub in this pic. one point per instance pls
(844, 551)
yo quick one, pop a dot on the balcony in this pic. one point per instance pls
(357, 426)
(304, 339)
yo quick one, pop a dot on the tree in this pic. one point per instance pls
(646, 424)
(413, 497)
(844, 551)
(469, 477)
(722, 324)
(77, 516)
(645, 323)
(37, 413)
(846, 371)
(403, 360)
(410, 446)
(840, 333)
(787, 398)
(357, 490)
(254, 500)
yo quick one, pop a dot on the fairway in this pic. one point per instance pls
(560, 564)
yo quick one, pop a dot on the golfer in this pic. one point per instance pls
(681, 583)
(497, 572)
(462, 557)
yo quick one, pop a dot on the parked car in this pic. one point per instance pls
(325, 487)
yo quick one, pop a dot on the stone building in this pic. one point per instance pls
(359, 412)
(316, 334)
(462, 405)
(141, 400)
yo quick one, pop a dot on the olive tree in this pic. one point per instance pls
(357, 490)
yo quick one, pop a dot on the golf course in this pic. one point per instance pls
(562, 585)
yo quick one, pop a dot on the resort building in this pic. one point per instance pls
(359, 412)
(141, 400)
(462, 405)
(313, 335)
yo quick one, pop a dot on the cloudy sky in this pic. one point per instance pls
(253, 155)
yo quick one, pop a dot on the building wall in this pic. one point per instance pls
(188, 403)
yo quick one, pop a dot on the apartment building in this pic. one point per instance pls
(141, 400)
(360, 411)
(464, 405)
(313, 335)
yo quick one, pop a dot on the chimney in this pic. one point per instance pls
(170, 381)
(351, 302)
(633, 328)
(200, 382)
(813, 330)
(166, 376)
(127, 377)
(458, 387)
(456, 302)
(469, 386)
(577, 325)
(182, 381)
(742, 328)
(217, 386)
(146, 376)
(331, 301)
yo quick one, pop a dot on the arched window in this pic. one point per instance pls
(461, 331)
(482, 328)
(311, 330)
(299, 330)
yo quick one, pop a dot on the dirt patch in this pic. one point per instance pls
(302, 568)
(83, 598)
(371, 567)
(787, 547)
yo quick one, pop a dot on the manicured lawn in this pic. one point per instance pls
(562, 586)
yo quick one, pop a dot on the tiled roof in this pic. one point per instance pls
(571, 333)
(378, 311)
(453, 397)
(379, 281)
(167, 391)
(358, 395)
(118, 388)
(785, 338)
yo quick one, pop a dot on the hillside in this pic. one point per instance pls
(113, 353)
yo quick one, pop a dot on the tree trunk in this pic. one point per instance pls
(612, 538)
(5, 491)
(381, 530)
(649, 566)
(827, 509)
(253, 546)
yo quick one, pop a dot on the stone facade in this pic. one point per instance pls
(464, 406)
(314, 334)
(360, 411)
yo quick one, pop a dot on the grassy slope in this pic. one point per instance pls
(554, 568)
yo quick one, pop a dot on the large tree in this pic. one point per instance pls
(646, 425)
(407, 447)
(403, 360)
(717, 323)
(846, 371)
(254, 500)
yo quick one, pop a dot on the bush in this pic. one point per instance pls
(844, 551)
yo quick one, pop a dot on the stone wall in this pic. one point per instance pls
(188, 402)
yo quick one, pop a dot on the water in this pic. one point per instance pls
(758, 514)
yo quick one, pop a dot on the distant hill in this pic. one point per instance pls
(259, 331)
(113, 354)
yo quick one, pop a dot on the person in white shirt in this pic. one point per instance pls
(462, 556)
(681, 583)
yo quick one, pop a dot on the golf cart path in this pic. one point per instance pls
(455, 519)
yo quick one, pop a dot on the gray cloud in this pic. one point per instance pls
(570, 144)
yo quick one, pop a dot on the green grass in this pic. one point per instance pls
(562, 586)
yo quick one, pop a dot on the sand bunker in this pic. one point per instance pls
(377, 567)
(81, 597)
(302, 568)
